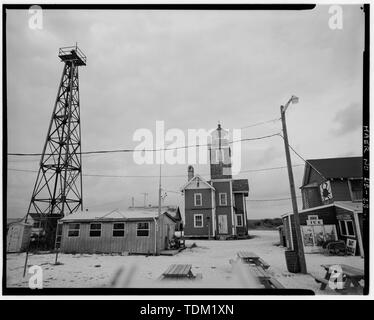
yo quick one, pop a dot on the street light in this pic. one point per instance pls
(300, 248)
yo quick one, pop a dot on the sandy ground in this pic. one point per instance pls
(209, 259)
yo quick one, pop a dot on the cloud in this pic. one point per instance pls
(190, 69)
(348, 119)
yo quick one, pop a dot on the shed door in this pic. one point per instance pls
(14, 234)
(222, 223)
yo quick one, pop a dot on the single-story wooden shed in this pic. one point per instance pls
(134, 231)
(341, 220)
(18, 236)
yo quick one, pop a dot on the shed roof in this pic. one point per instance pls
(347, 205)
(128, 214)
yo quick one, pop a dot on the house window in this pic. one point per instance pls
(347, 228)
(239, 220)
(356, 189)
(95, 230)
(198, 199)
(223, 199)
(118, 229)
(73, 230)
(142, 229)
(198, 221)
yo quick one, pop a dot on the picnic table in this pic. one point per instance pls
(258, 268)
(265, 278)
(252, 258)
(178, 271)
(350, 276)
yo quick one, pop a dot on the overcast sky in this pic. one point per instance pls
(190, 69)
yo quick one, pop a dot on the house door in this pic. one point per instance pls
(222, 224)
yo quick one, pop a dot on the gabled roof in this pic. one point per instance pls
(201, 179)
(240, 185)
(129, 214)
(333, 168)
(15, 220)
(173, 213)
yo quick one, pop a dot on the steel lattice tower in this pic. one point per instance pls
(58, 187)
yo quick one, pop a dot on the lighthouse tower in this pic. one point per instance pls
(220, 155)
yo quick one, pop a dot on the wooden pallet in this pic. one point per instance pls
(178, 271)
(263, 264)
(253, 258)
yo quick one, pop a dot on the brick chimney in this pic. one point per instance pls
(190, 172)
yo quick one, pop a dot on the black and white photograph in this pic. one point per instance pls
(186, 148)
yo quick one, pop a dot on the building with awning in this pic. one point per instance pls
(332, 205)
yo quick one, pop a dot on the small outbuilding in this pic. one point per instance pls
(18, 236)
(133, 231)
(332, 197)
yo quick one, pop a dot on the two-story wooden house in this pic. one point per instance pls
(216, 208)
(332, 205)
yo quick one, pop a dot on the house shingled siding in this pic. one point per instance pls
(191, 210)
(340, 190)
(239, 209)
(223, 187)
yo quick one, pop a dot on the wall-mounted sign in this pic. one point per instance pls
(325, 189)
(314, 221)
(351, 247)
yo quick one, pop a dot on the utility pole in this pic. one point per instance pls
(300, 247)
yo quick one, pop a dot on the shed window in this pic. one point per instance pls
(95, 230)
(347, 228)
(198, 221)
(223, 199)
(73, 230)
(142, 229)
(118, 229)
(198, 199)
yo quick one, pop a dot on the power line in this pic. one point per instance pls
(147, 150)
(306, 161)
(274, 199)
(259, 123)
(156, 176)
